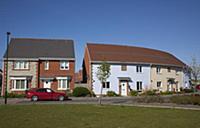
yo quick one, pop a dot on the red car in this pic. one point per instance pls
(45, 94)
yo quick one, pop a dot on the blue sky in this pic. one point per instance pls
(169, 25)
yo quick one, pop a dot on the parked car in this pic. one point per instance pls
(45, 94)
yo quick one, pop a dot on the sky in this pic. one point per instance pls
(168, 25)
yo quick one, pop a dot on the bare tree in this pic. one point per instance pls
(103, 74)
(194, 71)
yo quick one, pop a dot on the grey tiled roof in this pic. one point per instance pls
(40, 48)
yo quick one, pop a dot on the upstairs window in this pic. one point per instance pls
(64, 65)
(158, 70)
(169, 69)
(21, 65)
(46, 65)
(138, 69)
(106, 84)
(123, 67)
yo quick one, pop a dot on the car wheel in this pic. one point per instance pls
(61, 98)
(34, 98)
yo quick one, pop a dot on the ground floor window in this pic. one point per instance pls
(19, 84)
(63, 84)
(139, 85)
(106, 84)
(159, 84)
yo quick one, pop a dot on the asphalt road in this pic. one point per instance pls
(122, 101)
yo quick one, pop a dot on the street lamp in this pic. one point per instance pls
(8, 37)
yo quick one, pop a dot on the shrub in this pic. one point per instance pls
(195, 100)
(149, 93)
(166, 93)
(13, 95)
(111, 93)
(188, 90)
(151, 99)
(133, 93)
(81, 92)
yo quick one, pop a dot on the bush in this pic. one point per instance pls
(188, 90)
(111, 93)
(149, 93)
(151, 99)
(81, 92)
(133, 93)
(166, 93)
(195, 100)
(13, 95)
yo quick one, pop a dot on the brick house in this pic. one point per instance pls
(39, 63)
(132, 68)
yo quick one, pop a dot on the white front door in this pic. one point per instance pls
(124, 88)
(47, 84)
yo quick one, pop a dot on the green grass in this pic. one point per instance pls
(93, 116)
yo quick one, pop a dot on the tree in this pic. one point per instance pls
(194, 71)
(103, 74)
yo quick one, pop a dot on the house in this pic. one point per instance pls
(1, 74)
(39, 63)
(132, 68)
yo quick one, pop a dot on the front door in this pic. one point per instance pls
(47, 84)
(124, 88)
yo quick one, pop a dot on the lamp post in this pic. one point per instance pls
(8, 37)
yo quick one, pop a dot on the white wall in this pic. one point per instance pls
(116, 72)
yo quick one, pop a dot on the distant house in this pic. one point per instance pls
(1, 74)
(39, 63)
(132, 68)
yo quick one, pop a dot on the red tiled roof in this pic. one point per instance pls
(119, 53)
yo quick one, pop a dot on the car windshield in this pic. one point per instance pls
(49, 90)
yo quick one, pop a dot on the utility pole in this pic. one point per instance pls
(8, 38)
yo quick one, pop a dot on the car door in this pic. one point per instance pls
(49, 94)
(41, 93)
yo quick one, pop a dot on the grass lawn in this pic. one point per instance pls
(93, 116)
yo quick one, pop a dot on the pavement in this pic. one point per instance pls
(122, 101)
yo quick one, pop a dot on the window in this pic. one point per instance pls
(19, 84)
(169, 69)
(21, 65)
(177, 72)
(159, 84)
(158, 70)
(46, 65)
(139, 85)
(64, 65)
(106, 84)
(63, 84)
(138, 68)
(123, 67)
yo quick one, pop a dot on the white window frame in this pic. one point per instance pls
(158, 70)
(139, 69)
(160, 84)
(21, 65)
(106, 85)
(46, 65)
(64, 65)
(14, 81)
(61, 80)
(140, 85)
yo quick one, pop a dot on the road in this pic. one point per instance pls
(122, 101)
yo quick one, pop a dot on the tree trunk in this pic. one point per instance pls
(100, 97)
